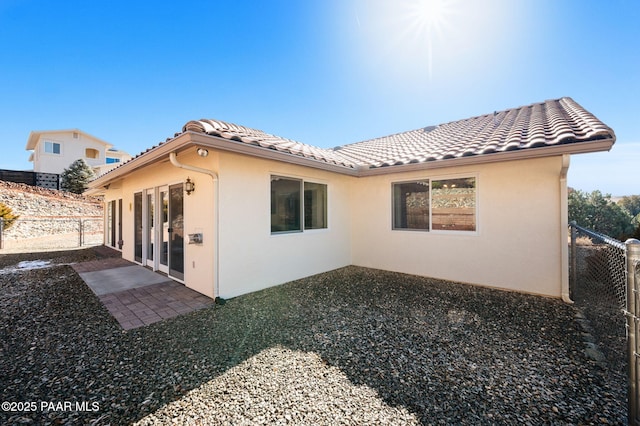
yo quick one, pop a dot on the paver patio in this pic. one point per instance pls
(135, 295)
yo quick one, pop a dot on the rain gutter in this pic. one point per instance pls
(564, 230)
(174, 161)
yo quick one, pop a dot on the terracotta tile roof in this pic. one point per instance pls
(553, 122)
(259, 138)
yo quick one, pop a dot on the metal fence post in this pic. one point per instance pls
(574, 261)
(79, 232)
(633, 318)
(1, 233)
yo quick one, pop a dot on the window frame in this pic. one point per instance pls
(52, 144)
(394, 209)
(431, 229)
(325, 206)
(304, 228)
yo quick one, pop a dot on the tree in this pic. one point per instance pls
(597, 212)
(7, 214)
(636, 223)
(77, 177)
(631, 204)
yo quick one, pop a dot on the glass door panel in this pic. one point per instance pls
(111, 231)
(137, 212)
(119, 242)
(163, 229)
(150, 226)
(176, 231)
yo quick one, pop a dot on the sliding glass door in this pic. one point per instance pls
(159, 229)
(176, 231)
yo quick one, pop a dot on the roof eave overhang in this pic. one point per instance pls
(34, 136)
(215, 142)
(190, 139)
(154, 155)
(523, 154)
(32, 141)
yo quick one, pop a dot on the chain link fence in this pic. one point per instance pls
(50, 233)
(599, 288)
(633, 327)
(605, 285)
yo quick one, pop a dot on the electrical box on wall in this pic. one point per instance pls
(195, 238)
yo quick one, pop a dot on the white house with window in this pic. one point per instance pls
(228, 210)
(52, 151)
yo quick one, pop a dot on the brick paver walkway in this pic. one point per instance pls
(143, 305)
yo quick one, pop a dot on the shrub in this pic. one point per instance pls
(7, 214)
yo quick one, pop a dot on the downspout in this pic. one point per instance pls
(564, 226)
(174, 161)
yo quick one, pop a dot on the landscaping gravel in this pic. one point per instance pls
(351, 346)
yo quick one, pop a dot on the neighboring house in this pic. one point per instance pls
(228, 210)
(55, 150)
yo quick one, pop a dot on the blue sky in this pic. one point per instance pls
(324, 72)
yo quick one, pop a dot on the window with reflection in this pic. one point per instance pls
(411, 205)
(435, 205)
(297, 205)
(453, 204)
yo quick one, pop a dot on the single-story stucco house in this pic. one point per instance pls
(228, 210)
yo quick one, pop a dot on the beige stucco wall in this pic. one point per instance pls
(517, 243)
(249, 257)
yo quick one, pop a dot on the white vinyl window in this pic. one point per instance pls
(52, 147)
(435, 205)
(297, 205)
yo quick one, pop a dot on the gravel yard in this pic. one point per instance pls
(351, 346)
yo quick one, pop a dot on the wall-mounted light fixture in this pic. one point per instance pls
(202, 152)
(189, 186)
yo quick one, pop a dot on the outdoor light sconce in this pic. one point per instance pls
(202, 152)
(189, 186)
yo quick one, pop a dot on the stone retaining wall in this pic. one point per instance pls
(62, 219)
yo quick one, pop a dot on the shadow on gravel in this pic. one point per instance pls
(441, 352)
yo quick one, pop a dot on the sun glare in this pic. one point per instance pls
(438, 47)
(426, 20)
(428, 13)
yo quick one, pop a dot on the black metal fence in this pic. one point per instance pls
(44, 180)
